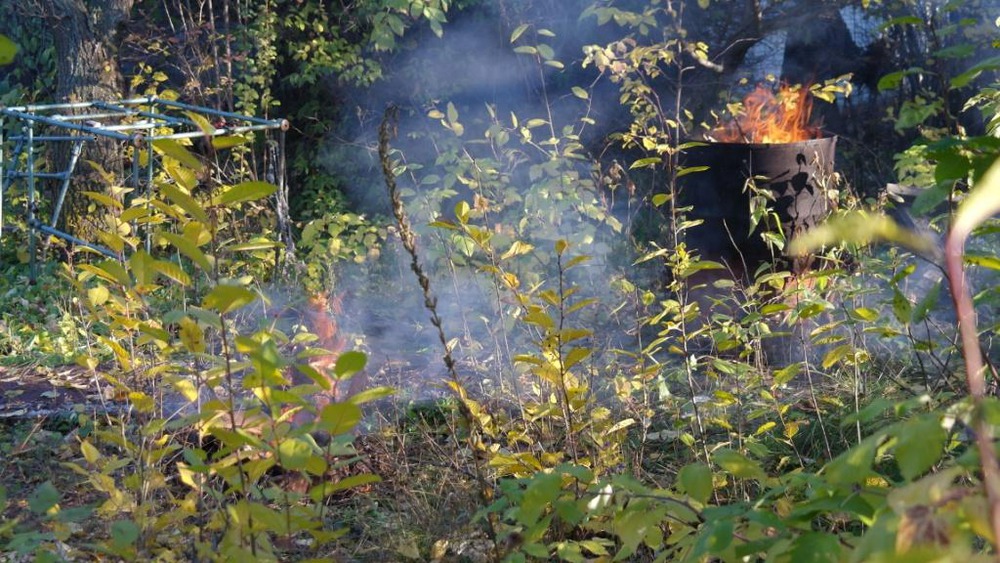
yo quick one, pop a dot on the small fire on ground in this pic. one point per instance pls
(769, 117)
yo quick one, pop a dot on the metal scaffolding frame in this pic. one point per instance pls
(134, 122)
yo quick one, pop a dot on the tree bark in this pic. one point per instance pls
(85, 33)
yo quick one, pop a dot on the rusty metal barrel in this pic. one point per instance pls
(796, 175)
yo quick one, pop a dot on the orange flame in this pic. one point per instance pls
(769, 118)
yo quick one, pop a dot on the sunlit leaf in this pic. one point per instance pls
(339, 418)
(189, 249)
(173, 271)
(226, 298)
(141, 264)
(245, 191)
(191, 335)
(186, 388)
(350, 363)
(982, 203)
(860, 228)
(8, 50)
(183, 200)
(89, 452)
(518, 31)
(227, 142)
(98, 295)
(202, 122)
(178, 152)
(373, 394)
(294, 453)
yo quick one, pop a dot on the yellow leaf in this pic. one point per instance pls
(192, 336)
(981, 204)
(98, 295)
(186, 388)
(178, 152)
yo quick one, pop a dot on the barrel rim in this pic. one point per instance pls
(807, 142)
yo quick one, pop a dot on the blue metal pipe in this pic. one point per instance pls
(58, 123)
(77, 241)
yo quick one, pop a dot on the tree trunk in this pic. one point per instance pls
(84, 33)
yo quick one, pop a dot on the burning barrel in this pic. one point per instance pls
(794, 173)
(768, 145)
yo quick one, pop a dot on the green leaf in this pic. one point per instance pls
(715, 536)
(738, 464)
(983, 260)
(580, 93)
(124, 533)
(178, 152)
(319, 492)
(141, 264)
(254, 245)
(246, 191)
(920, 445)
(965, 78)
(111, 270)
(188, 248)
(294, 453)
(926, 304)
(636, 526)
(104, 199)
(543, 489)
(816, 547)
(854, 465)
(8, 50)
(184, 201)
(43, 498)
(173, 271)
(785, 374)
(645, 162)
(227, 142)
(339, 418)
(350, 363)
(696, 480)
(691, 170)
(373, 394)
(226, 298)
(901, 20)
(865, 314)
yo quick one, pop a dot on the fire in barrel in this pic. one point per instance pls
(769, 149)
